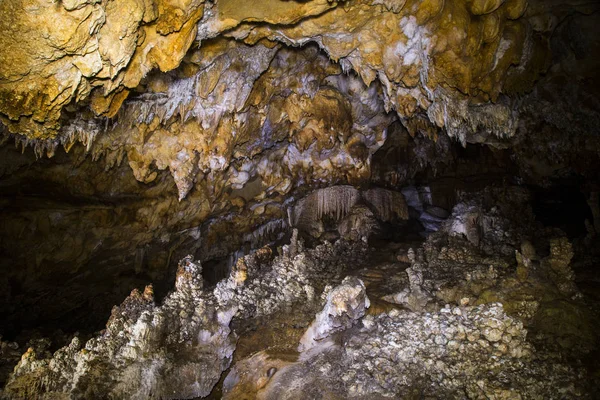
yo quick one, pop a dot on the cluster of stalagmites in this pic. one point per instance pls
(458, 331)
(144, 345)
(174, 350)
(296, 275)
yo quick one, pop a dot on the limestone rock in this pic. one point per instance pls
(359, 224)
(271, 283)
(558, 263)
(356, 214)
(99, 49)
(415, 296)
(141, 352)
(344, 306)
(454, 352)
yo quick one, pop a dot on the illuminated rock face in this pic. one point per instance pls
(243, 103)
(55, 53)
(436, 65)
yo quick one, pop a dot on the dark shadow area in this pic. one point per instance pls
(562, 206)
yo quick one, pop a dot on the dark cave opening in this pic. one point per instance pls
(217, 269)
(563, 206)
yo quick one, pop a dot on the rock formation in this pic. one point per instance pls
(174, 350)
(321, 198)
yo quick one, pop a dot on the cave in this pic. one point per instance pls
(299, 199)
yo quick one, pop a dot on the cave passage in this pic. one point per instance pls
(353, 199)
(563, 206)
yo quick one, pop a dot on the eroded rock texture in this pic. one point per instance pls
(435, 64)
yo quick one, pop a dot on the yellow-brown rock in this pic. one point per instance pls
(237, 86)
(105, 48)
(480, 7)
(55, 52)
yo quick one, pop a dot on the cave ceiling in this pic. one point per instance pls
(198, 87)
(243, 103)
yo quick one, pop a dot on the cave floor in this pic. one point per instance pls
(278, 334)
(384, 272)
(423, 294)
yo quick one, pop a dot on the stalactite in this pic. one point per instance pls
(387, 204)
(164, 105)
(77, 130)
(80, 131)
(257, 237)
(335, 202)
